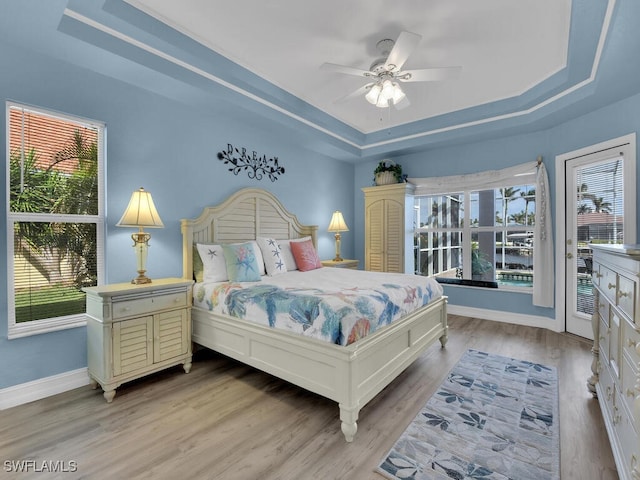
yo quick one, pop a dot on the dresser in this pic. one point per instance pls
(135, 330)
(389, 217)
(616, 350)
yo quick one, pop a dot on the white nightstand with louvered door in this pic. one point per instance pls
(135, 330)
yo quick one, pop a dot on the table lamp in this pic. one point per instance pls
(141, 212)
(337, 225)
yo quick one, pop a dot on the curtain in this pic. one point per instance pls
(543, 268)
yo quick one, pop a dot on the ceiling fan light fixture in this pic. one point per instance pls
(382, 102)
(373, 94)
(387, 90)
(384, 94)
(398, 94)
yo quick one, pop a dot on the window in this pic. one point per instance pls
(485, 236)
(55, 220)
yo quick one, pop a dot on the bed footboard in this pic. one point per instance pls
(350, 375)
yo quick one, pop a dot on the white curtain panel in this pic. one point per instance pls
(543, 273)
(543, 266)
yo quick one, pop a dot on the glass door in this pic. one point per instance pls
(595, 213)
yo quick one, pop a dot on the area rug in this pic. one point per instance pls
(493, 418)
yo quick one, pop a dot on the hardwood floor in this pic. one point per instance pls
(228, 421)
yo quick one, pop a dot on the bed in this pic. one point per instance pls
(352, 374)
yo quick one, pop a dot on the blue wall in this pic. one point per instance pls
(169, 149)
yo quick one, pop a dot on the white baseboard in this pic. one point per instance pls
(506, 317)
(43, 387)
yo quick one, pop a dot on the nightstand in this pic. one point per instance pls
(135, 330)
(352, 264)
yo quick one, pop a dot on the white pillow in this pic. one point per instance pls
(287, 255)
(273, 261)
(214, 265)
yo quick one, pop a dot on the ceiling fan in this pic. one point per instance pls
(385, 72)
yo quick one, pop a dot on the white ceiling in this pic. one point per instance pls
(505, 47)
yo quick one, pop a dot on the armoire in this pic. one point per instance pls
(389, 228)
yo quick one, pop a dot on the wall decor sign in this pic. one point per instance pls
(255, 165)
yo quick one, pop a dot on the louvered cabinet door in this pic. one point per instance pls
(171, 335)
(394, 237)
(132, 345)
(374, 250)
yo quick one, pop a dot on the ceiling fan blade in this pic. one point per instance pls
(404, 45)
(358, 93)
(429, 74)
(346, 70)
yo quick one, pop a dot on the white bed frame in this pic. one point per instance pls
(350, 375)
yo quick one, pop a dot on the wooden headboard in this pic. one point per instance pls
(245, 215)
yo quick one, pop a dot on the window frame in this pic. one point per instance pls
(35, 327)
(467, 232)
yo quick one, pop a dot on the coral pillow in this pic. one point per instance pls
(305, 255)
(287, 254)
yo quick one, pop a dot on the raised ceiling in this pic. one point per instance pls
(505, 48)
(527, 65)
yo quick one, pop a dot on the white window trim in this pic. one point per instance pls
(36, 327)
(543, 245)
(467, 231)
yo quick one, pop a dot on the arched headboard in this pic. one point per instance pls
(247, 214)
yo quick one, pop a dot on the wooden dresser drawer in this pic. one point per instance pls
(605, 333)
(608, 283)
(614, 345)
(606, 392)
(603, 311)
(596, 276)
(627, 436)
(631, 342)
(139, 306)
(628, 391)
(627, 296)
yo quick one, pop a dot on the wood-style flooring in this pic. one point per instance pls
(225, 420)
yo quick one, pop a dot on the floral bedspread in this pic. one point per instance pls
(335, 305)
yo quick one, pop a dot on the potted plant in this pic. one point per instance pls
(388, 172)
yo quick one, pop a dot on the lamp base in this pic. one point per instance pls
(338, 258)
(141, 245)
(141, 279)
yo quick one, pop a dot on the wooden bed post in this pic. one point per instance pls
(349, 418)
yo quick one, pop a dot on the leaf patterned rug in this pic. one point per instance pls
(493, 418)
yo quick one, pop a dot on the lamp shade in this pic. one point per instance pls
(141, 212)
(337, 223)
(373, 94)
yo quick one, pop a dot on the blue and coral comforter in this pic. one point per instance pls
(332, 304)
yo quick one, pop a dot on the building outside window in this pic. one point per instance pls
(55, 219)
